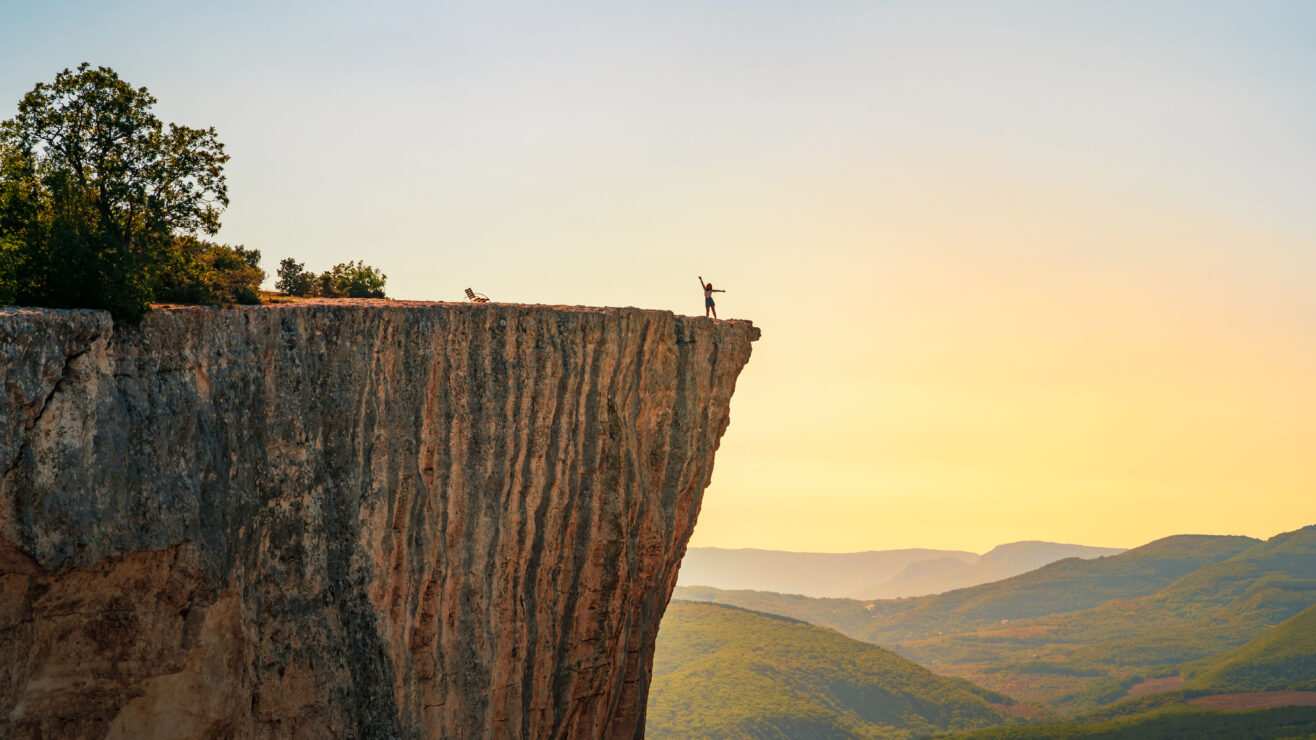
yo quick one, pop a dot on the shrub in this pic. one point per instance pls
(351, 280)
(199, 271)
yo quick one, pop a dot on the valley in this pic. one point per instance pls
(1182, 625)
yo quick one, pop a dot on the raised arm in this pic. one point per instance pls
(701, 283)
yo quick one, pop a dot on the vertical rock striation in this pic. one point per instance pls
(348, 519)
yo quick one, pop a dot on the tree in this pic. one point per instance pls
(294, 279)
(94, 191)
(11, 267)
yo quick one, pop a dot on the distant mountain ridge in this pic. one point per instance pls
(1001, 562)
(817, 574)
(1063, 586)
(870, 574)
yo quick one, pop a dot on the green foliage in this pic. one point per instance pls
(1282, 658)
(12, 254)
(93, 191)
(725, 672)
(198, 271)
(344, 280)
(1164, 701)
(294, 279)
(1205, 613)
(351, 280)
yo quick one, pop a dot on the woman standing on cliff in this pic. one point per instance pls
(709, 305)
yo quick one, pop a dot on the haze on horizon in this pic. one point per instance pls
(1024, 270)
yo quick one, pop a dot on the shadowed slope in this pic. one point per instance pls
(1282, 658)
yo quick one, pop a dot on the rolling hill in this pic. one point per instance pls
(1063, 586)
(1080, 660)
(1279, 659)
(1275, 669)
(1078, 634)
(1214, 608)
(720, 671)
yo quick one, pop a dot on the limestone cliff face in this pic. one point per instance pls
(355, 519)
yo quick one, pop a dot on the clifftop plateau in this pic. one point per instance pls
(349, 518)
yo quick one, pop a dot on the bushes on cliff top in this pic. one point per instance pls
(199, 271)
(101, 204)
(344, 280)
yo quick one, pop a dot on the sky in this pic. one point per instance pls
(1024, 270)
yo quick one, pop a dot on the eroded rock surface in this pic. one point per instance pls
(347, 519)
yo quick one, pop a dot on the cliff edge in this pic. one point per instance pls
(348, 518)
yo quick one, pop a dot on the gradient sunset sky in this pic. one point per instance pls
(1024, 270)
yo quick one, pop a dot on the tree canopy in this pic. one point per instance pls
(102, 205)
(97, 195)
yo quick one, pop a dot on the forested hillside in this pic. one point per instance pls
(720, 671)
(1077, 635)
(1283, 658)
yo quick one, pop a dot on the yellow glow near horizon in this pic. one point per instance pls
(1108, 373)
(1023, 270)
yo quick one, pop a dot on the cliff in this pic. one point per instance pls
(348, 519)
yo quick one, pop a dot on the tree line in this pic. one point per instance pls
(104, 206)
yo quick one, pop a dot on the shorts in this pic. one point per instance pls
(708, 303)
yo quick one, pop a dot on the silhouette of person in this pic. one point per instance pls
(709, 305)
